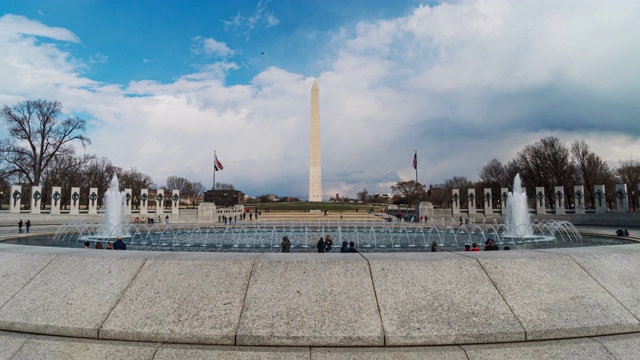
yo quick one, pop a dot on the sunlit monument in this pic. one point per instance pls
(315, 162)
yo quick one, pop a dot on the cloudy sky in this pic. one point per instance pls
(164, 84)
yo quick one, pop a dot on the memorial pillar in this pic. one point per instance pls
(622, 198)
(15, 199)
(578, 194)
(600, 199)
(455, 202)
(488, 209)
(127, 201)
(36, 199)
(175, 202)
(93, 201)
(160, 202)
(540, 201)
(504, 195)
(471, 197)
(75, 201)
(56, 195)
(558, 194)
(144, 197)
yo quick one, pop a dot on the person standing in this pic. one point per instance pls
(286, 244)
(20, 226)
(28, 224)
(166, 220)
(320, 245)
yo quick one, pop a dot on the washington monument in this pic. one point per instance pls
(315, 163)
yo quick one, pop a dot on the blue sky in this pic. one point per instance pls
(164, 83)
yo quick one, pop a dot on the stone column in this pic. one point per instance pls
(160, 202)
(15, 199)
(144, 201)
(471, 198)
(504, 194)
(540, 201)
(127, 201)
(56, 195)
(175, 202)
(36, 199)
(488, 209)
(600, 199)
(455, 201)
(578, 194)
(93, 201)
(75, 201)
(622, 198)
(558, 194)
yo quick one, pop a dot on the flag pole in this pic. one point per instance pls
(416, 157)
(214, 171)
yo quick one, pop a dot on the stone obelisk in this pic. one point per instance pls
(315, 162)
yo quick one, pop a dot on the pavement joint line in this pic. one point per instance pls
(602, 286)
(603, 345)
(30, 280)
(244, 299)
(375, 294)
(120, 297)
(503, 299)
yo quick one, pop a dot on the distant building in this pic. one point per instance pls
(224, 197)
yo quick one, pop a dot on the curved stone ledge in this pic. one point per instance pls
(319, 300)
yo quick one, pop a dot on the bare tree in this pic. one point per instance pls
(408, 192)
(193, 191)
(628, 172)
(178, 183)
(65, 170)
(591, 168)
(136, 181)
(363, 196)
(37, 137)
(224, 186)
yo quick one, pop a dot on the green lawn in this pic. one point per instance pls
(306, 206)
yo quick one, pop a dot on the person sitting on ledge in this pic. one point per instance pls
(475, 247)
(109, 245)
(119, 244)
(352, 247)
(345, 247)
(626, 232)
(467, 247)
(619, 232)
(98, 245)
(86, 244)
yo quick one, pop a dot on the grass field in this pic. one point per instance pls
(306, 206)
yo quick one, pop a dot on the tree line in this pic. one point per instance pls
(39, 150)
(546, 163)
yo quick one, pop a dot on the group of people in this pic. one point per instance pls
(150, 220)
(21, 224)
(324, 245)
(619, 232)
(117, 245)
(489, 245)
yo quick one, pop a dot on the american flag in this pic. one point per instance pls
(216, 163)
(415, 160)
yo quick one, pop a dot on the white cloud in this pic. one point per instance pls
(210, 47)
(461, 82)
(260, 18)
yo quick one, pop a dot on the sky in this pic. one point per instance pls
(164, 84)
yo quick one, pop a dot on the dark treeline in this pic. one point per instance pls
(39, 151)
(547, 163)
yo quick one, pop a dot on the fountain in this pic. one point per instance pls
(517, 221)
(114, 223)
